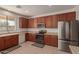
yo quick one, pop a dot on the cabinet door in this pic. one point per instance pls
(11, 41)
(54, 21)
(32, 23)
(27, 36)
(51, 40)
(41, 20)
(47, 39)
(48, 21)
(71, 16)
(54, 40)
(23, 22)
(7, 42)
(1, 43)
(31, 37)
(14, 40)
(62, 17)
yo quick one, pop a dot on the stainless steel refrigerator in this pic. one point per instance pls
(74, 33)
(68, 34)
(63, 35)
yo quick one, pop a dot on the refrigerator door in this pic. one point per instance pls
(63, 30)
(74, 33)
(63, 45)
(63, 36)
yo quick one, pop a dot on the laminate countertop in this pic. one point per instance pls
(8, 34)
(74, 49)
(17, 33)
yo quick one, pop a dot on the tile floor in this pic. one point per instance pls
(28, 48)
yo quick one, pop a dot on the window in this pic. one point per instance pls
(7, 23)
(3, 24)
(11, 23)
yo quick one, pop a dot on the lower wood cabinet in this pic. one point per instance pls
(30, 37)
(51, 40)
(1, 43)
(8, 41)
(48, 39)
(11, 41)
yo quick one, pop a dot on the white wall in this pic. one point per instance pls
(77, 12)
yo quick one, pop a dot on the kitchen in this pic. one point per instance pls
(29, 29)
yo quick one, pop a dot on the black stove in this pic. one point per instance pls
(40, 38)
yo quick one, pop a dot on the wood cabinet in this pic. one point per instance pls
(71, 16)
(11, 41)
(67, 16)
(62, 17)
(32, 23)
(8, 41)
(51, 40)
(48, 21)
(23, 22)
(1, 43)
(51, 21)
(54, 21)
(30, 37)
(40, 19)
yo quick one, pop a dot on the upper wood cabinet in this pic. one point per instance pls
(23, 22)
(32, 23)
(40, 19)
(51, 21)
(48, 21)
(71, 16)
(62, 17)
(67, 16)
(54, 21)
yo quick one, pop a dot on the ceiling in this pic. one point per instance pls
(34, 10)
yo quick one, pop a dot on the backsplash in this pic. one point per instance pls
(38, 29)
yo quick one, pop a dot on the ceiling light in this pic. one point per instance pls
(18, 6)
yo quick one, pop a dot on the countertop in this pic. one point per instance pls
(74, 49)
(14, 33)
(8, 34)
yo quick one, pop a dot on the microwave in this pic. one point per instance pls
(40, 25)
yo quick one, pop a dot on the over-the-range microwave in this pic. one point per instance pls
(40, 25)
